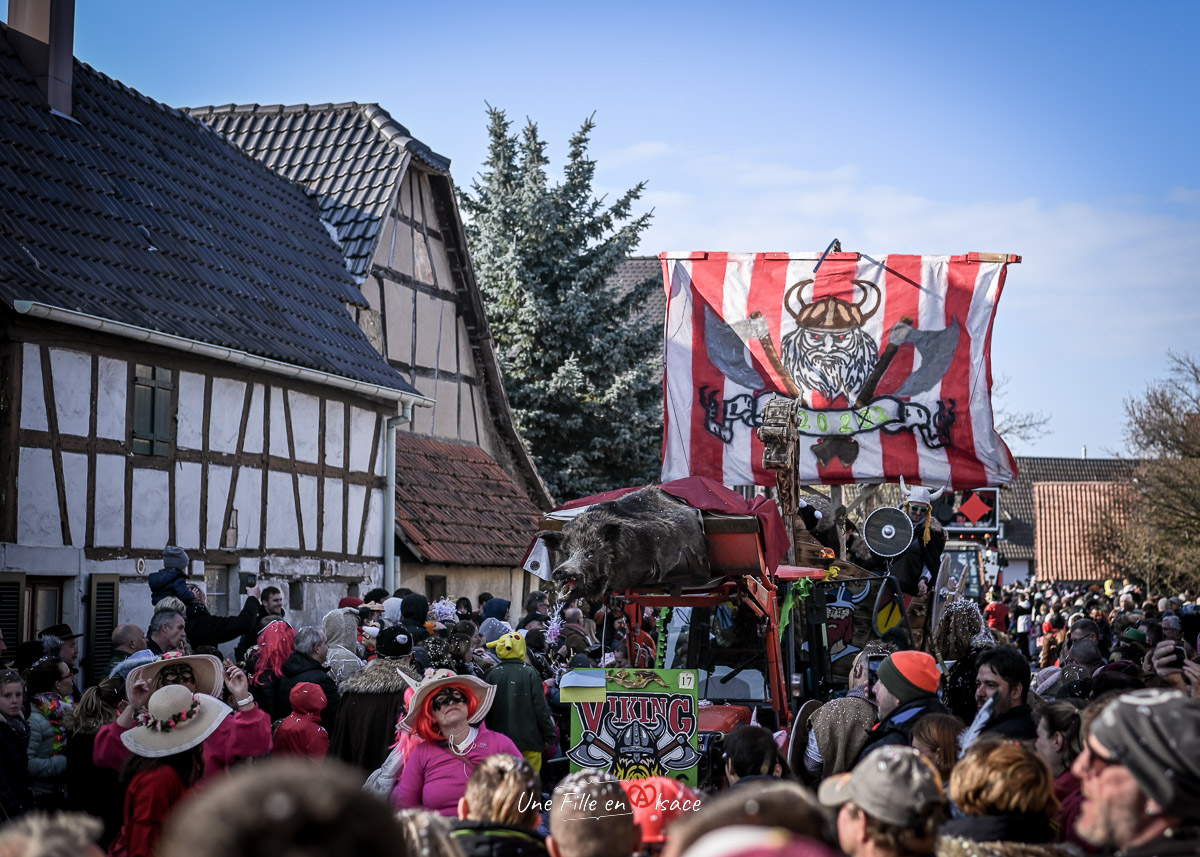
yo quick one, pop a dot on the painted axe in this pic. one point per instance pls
(935, 348)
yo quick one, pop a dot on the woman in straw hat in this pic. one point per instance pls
(167, 748)
(447, 713)
(243, 736)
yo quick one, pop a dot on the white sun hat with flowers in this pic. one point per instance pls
(175, 720)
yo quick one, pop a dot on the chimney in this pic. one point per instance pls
(42, 32)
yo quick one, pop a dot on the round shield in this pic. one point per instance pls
(888, 531)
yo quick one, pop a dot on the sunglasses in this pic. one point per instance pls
(182, 674)
(448, 697)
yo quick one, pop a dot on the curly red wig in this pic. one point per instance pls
(276, 642)
(427, 727)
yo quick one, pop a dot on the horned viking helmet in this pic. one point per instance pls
(832, 313)
(919, 494)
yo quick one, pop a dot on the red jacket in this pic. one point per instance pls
(148, 801)
(301, 732)
(243, 735)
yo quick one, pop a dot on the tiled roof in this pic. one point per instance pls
(633, 272)
(1067, 515)
(454, 504)
(350, 155)
(137, 214)
(1016, 500)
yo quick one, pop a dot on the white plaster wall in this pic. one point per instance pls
(332, 539)
(445, 410)
(362, 435)
(75, 475)
(466, 358)
(358, 495)
(335, 433)
(279, 444)
(150, 508)
(33, 400)
(373, 543)
(308, 509)
(72, 374)
(422, 420)
(226, 417)
(1017, 571)
(399, 320)
(306, 423)
(218, 491)
(429, 310)
(112, 379)
(190, 434)
(247, 499)
(281, 511)
(38, 521)
(110, 501)
(187, 505)
(254, 424)
(466, 419)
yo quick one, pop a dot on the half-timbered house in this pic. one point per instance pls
(467, 491)
(177, 361)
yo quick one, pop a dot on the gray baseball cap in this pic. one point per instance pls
(894, 784)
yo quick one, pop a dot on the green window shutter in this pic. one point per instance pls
(102, 621)
(152, 429)
(12, 596)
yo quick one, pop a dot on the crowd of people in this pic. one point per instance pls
(1054, 720)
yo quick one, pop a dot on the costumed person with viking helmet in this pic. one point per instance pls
(917, 566)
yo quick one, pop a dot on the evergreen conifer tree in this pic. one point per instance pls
(581, 363)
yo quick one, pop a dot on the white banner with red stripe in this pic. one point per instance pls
(888, 357)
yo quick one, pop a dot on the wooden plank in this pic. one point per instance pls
(287, 419)
(130, 374)
(321, 476)
(227, 517)
(362, 532)
(55, 443)
(11, 369)
(205, 412)
(265, 463)
(89, 533)
(346, 483)
(172, 532)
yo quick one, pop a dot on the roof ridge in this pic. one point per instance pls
(267, 109)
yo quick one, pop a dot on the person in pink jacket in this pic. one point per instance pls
(244, 735)
(447, 713)
(301, 732)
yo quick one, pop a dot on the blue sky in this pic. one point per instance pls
(1062, 132)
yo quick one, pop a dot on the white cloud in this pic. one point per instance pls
(1179, 193)
(647, 150)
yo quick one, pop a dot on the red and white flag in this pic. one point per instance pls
(889, 357)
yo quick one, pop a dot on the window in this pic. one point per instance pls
(152, 387)
(435, 587)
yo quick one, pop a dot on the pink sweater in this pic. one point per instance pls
(243, 735)
(434, 778)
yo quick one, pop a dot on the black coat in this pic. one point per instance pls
(301, 668)
(15, 796)
(205, 629)
(487, 839)
(1016, 723)
(897, 727)
(918, 558)
(372, 702)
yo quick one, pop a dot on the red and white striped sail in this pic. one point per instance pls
(742, 328)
